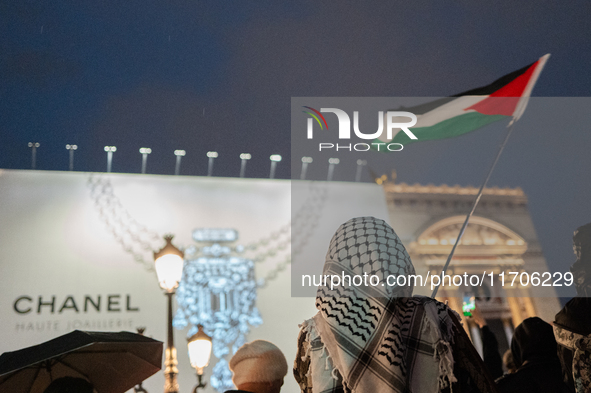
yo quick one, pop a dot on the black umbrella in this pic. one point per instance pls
(112, 362)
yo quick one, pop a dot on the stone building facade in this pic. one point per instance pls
(499, 238)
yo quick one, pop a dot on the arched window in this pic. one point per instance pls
(486, 246)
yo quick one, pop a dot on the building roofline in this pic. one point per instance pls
(404, 188)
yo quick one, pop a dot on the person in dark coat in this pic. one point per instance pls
(572, 330)
(538, 368)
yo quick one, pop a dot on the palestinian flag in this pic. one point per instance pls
(457, 115)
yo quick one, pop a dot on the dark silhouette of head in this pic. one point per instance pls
(533, 339)
(581, 269)
(582, 241)
(69, 385)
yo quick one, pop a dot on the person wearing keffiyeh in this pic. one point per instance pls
(378, 339)
(572, 330)
(572, 325)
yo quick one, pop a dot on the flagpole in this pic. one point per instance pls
(476, 200)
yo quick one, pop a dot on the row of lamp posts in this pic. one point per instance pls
(145, 151)
(211, 155)
(168, 263)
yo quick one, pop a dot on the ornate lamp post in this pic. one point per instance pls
(169, 269)
(199, 353)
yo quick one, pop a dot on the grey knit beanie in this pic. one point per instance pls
(258, 361)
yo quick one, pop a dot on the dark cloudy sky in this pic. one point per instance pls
(216, 75)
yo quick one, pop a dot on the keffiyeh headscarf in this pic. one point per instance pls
(367, 246)
(580, 347)
(374, 338)
(572, 330)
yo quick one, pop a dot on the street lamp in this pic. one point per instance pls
(275, 158)
(244, 157)
(199, 353)
(71, 148)
(212, 155)
(110, 150)
(145, 151)
(168, 263)
(331, 164)
(179, 154)
(360, 165)
(34, 147)
(305, 162)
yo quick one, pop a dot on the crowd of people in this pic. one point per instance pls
(387, 340)
(400, 343)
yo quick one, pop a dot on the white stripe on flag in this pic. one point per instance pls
(522, 104)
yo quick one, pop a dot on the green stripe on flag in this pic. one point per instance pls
(449, 128)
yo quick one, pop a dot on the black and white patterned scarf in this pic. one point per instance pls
(374, 338)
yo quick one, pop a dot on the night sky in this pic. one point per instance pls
(211, 75)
